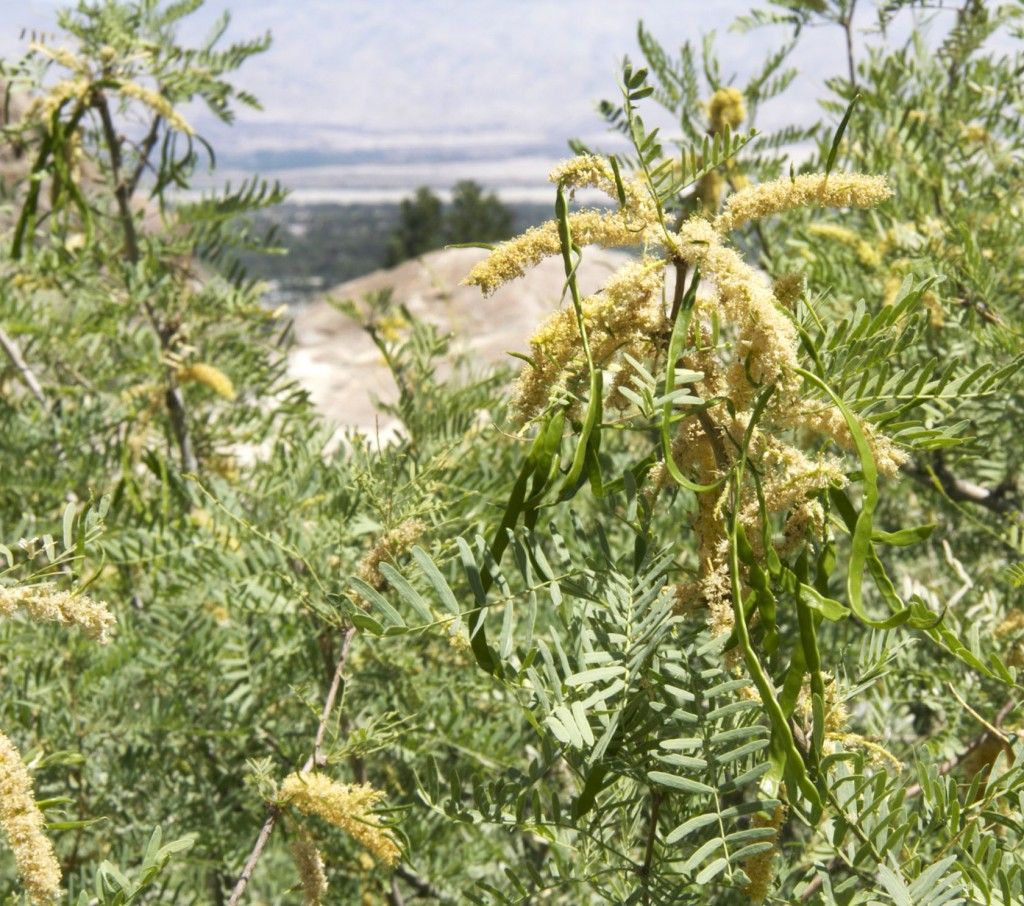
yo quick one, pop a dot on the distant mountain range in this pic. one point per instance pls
(378, 96)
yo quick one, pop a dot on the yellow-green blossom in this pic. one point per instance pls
(622, 318)
(209, 376)
(388, 546)
(46, 603)
(346, 806)
(157, 103)
(310, 865)
(23, 825)
(726, 108)
(835, 190)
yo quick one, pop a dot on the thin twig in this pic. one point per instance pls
(148, 143)
(315, 758)
(652, 836)
(18, 361)
(848, 31)
(395, 895)
(995, 731)
(422, 886)
(123, 190)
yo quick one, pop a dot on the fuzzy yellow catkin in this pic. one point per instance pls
(209, 376)
(866, 253)
(761, 868)
(726, 108)
(596, 172)
(835, 190)
(635, 223)
(622, 318)
(830, 422)
(344, 805)
(65, 90)
(310, 865)
(388, 546)
(60, 55)
(46, 603)
(157, 103)
(23, 824)
(768, 341)
(514, 258)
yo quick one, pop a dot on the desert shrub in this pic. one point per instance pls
(717, 603)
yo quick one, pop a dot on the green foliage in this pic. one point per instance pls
(612, 658)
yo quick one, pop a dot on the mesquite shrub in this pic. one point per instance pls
(718, 600)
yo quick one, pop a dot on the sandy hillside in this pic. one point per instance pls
(343, 370)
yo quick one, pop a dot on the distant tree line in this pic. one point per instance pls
(425, 223)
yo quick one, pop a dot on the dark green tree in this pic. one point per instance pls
(420, 227)
(472, 216)
(475, 216)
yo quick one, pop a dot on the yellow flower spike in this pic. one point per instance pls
(45, 603)
(836, 190)
(761, 868)
(310, 865)
(866, 253)
(157, 103)
(208, 376)
(514, 258)
(621, 318)
(388, 546)
(726, 108)
(346, 806)
(23, 824)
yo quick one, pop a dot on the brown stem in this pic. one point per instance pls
(123, 190)
(714, 435)
(13, 353)
(848, 31)
(999, 499)
(680, 289)
(395, 895)
(652, 834)
(422, 887)
(145, 149)
(315, 758)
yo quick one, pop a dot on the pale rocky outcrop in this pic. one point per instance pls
(343, 370)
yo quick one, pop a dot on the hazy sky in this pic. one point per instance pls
(401, 93)
(528, 67)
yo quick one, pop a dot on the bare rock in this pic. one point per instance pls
(343, 370)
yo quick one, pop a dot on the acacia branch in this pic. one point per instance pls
(13, 353)
(945, 768)
(315, 758)
(999, 499)
(148, 143)
(123, 190)
(422, 886)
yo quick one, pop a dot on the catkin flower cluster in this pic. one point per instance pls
(761, 867)
(742, 339)
(45, 603)
(625, 318)
(635, 223)
(310, 866)
(809, 190)
(388, 546)
(726, 108)
(23, 825)
(346, 806)
(209, 376)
